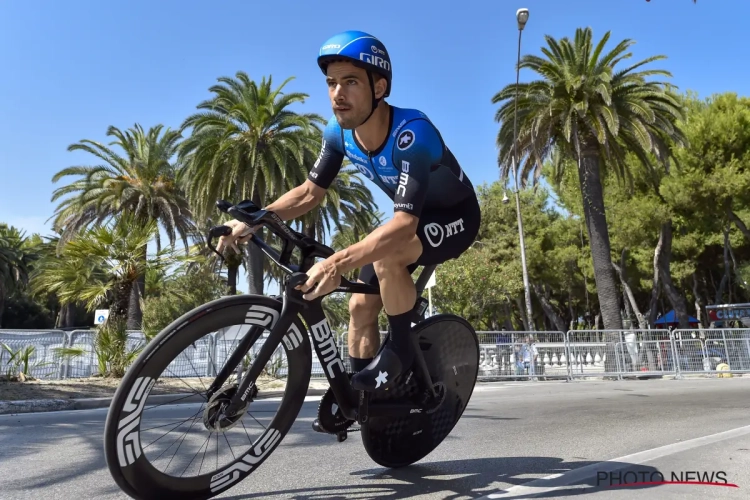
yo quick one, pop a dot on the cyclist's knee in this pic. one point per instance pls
(399, 259)
(364, 308)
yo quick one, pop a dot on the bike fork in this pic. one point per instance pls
(234, 360)
(253, 372)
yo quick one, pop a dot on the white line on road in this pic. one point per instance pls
(578, 476)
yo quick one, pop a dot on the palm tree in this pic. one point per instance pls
(245, 143)
(100, 266)
(141, 182)
(66, 276)
(15, 262)
(595, 114)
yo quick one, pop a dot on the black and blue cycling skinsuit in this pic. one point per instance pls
(419, 173)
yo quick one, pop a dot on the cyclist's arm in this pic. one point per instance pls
(309, 194)
(297, 201)
(415, 163)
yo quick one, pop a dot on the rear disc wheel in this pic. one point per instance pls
(451, 351)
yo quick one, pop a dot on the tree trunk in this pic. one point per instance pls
(622, 273)
(675, 298)
(69, 317)
(653, 308)
(134, 303)
(740, 225)
(508, 322)
(596, 222)
(308, 230)
(137, 292)
(627, 313)
(698, 302)
(522, 310)
(2, 301)
(725, 278)
(573, 319)
(119, 309)
(255, 258)
(548, 308)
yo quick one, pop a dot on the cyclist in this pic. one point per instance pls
(436, 212)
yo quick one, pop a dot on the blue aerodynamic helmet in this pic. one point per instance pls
(361, 49)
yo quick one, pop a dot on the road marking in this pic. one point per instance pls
(576, 478)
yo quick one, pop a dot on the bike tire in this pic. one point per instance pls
(450, 347)
(127, 464)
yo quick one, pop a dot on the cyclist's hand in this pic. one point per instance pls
(327, 277)
(241, 233)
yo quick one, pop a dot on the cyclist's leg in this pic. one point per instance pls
(398, 294)
(442, 235)
(364, 335)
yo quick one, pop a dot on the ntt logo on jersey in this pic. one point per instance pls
(405, 140)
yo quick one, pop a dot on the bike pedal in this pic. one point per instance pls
(317, 428)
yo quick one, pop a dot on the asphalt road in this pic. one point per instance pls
(511, 439)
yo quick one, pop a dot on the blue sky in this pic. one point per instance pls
(71, 69)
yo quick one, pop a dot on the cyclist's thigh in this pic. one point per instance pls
(367, 273)
(447, 233)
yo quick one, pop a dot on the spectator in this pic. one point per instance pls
(529, 355)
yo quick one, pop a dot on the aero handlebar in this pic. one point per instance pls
(248, 213)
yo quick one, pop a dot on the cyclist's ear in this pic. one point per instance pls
(380, 84)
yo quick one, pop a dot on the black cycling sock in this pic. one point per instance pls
(400, 342)
(359, 364)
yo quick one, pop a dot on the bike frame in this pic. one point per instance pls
(354, 404)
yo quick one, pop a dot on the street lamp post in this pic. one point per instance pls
(522, 16)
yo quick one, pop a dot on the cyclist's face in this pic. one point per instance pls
(350, 94)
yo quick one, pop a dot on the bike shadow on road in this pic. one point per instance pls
(474, 477)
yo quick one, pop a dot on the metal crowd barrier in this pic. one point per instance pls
(504, 355)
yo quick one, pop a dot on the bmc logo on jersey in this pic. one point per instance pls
(320, 155)
(403, 178)
(405, 139)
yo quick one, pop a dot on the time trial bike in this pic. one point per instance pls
(398, 427)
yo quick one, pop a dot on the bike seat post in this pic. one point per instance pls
(424, 277)
(422, 372)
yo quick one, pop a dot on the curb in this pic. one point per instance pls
(52, 405)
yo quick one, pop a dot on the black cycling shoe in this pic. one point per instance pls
(381, 372)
